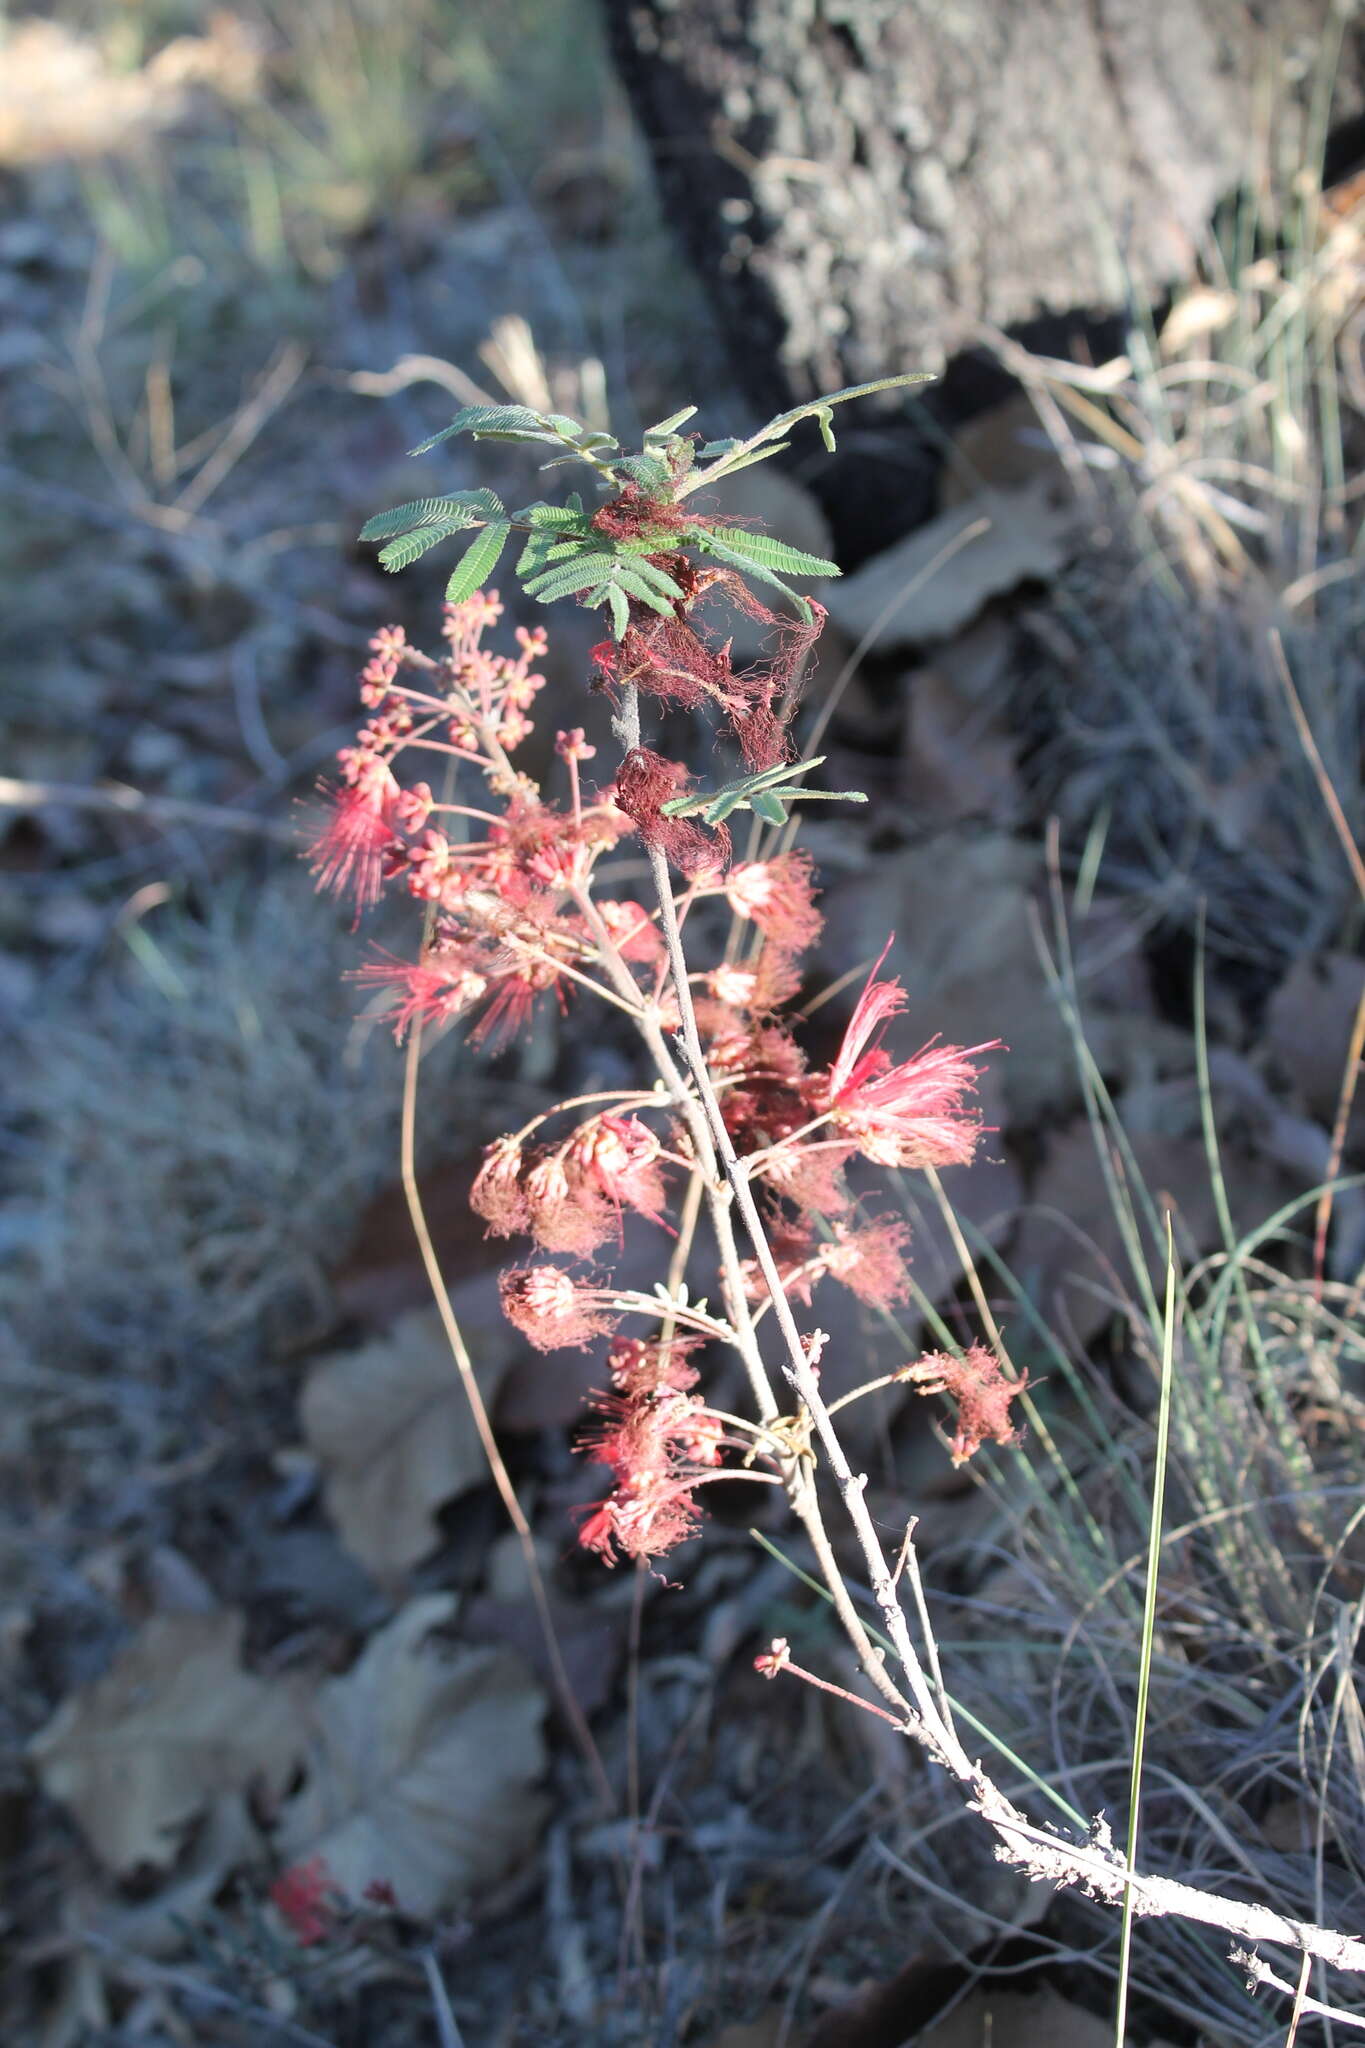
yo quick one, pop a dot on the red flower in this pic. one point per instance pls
(304, 1896)
(349, 852)
(779, 896)
(909, 1114)
(551, 1309)
(977, 1383)
(429, 991)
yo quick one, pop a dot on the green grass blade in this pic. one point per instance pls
(1163, 1444)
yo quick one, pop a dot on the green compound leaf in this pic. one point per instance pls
(736, 792)
(634, 584)
(456, 509)
(766, 794)
(589, 566)
(479, 562)
(557, 518)
(726, 457)
(645, 470)
(483, 419)
(768, 553)
(767, 805)
(670, 425)
(820, 408)
(745, 461)
(596, 573)
(399, 553)
(754, 570)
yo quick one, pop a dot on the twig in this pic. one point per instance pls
(568, 1701)
(414, 369)
(19, 795)
(143, 1969)
(1331, 800)
(1260, 1972)
(275, 386)
(446, 2026)
(1041, 1855)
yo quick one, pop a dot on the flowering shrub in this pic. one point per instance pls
(731, 1119)
(519, 908)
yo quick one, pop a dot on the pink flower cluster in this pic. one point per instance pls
(658, 1440)
(569, 1197)
(515, 907)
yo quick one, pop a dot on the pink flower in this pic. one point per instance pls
(658, 1445)
(564, 1215)
(779, 896)
(413, 807)
(617, 1158)
(869, 1259)
(634, 930)
(551, 1309)
(349, 852)
(431, 868)
(977, 1383)
(909, 1114)
(766, 985)
(430, 991)
(303, 1895)
(640, 1366)
(497, 1193)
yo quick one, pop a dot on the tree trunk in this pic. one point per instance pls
(861, 183)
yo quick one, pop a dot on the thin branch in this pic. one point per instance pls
(19, 795)
(573, 1712)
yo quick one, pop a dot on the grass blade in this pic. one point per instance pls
(1163, 1439)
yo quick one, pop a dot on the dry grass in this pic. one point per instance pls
(1221, 460)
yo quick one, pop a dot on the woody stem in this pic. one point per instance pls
(722, 1199)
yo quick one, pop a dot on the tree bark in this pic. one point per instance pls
(861, 183)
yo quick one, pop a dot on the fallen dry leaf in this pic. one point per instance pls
(962, 908)
(227, 1840)
(908, 595)
(391, 1426)
(1018, 2019)
(1070, 1252)
(959, 757)
(1309, 1021)
(1001, 449)
(422, 1767)
(1195, 316)
(175, 1724)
